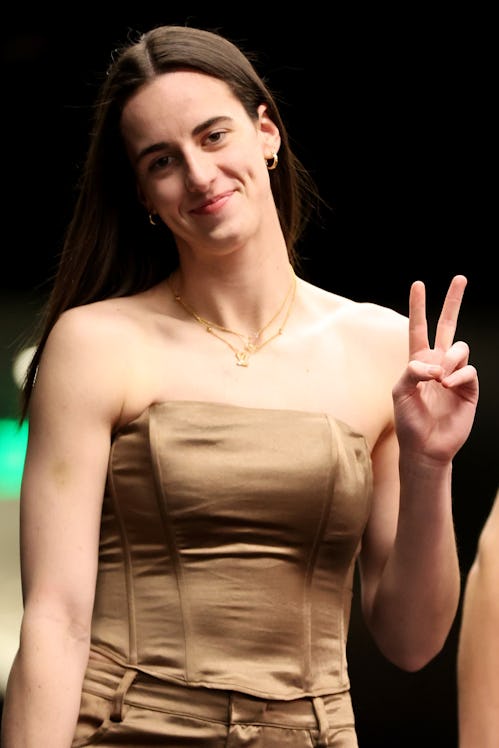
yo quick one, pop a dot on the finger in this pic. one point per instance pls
(455, 357)
(416, 372)
(447, 322)
(418, 327)
(466, 378)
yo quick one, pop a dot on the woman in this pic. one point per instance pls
(193, 504)
(478, 651)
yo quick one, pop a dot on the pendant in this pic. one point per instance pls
(242, 358)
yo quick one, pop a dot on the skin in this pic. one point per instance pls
(200, 166)
(478, 651)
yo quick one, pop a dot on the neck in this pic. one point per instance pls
(244, 345)
(244, 300)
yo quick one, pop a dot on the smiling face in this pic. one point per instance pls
(199, 160)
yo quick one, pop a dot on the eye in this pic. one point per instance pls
(216, 137)
(163, 162)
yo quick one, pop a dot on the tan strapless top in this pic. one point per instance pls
(228, 542)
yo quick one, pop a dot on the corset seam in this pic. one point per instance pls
(170, 540)
(312, 560)
(128, 569)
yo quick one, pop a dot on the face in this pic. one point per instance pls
(200, 160)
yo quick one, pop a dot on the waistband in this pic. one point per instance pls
(122, 685)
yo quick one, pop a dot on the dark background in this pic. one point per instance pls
(393, 113)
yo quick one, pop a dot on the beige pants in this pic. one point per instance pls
(121, 707)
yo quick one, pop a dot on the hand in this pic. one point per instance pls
(436, 397)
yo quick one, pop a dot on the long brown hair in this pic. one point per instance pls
(109, 248)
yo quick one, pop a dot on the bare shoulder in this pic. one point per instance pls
(101, 317)
(89, 354)
(102, 328)
(362, 347)
(368, 321)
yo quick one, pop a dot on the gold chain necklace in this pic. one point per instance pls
(251, 344)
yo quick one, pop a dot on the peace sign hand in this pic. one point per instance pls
(436, 397)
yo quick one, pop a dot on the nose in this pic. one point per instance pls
(199, 171)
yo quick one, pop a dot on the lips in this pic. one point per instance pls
(213, 205)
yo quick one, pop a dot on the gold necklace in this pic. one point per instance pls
(251, 344)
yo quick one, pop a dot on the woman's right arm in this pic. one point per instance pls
(74, 403)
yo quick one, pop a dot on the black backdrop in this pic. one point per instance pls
(392, 112)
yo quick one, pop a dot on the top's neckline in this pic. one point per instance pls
(215, 404)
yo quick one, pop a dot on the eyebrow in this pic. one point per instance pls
(164, 144)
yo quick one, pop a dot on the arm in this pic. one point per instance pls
(409, 564)
(478, 650)
(61, 495)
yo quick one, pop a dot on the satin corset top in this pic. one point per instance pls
(228, 542)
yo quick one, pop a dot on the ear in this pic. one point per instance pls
(270, 136)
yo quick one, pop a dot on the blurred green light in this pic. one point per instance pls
(13, 441)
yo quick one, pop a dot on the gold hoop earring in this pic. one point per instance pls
(152, 219)
(272, 162)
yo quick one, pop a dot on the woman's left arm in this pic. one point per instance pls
(409, 566)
